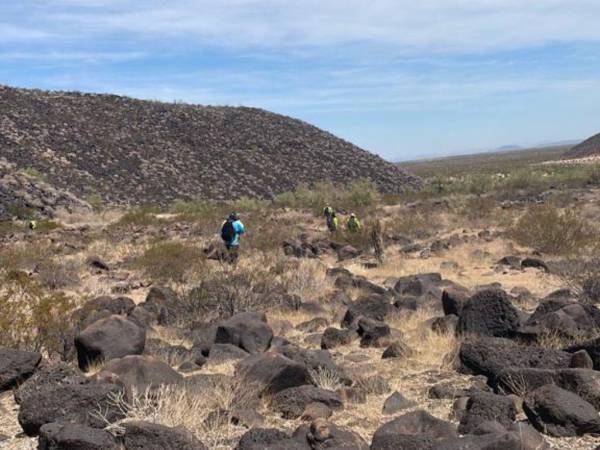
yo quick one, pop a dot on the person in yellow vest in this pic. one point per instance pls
(353, 225)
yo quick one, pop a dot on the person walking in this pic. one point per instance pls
(231, 230)
(328, 213)
(333, 223)
(353, 225)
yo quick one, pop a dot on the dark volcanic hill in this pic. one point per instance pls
(589, 147)
(133, 151)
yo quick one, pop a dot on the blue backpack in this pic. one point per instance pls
(228, 231)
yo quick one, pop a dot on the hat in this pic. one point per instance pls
(233, 216)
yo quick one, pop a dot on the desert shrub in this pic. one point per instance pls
(33, 320)
(479, 183)
(170, 261)
(21, 212)
(23, 257)
(306, 278)
(9, 227)
(142, 216)
(170, 405)
(285, 200)
(477, 208)
(58, 275)
(361, 193)
(194, 208)
(266, 233)
(46, 225)
(225, 291)
(550, 230)
(582, 276)
(34, 173)
(355, 196)
(409, 223)
(249, 204)
(95, 201)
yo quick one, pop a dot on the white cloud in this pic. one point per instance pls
(399, 25)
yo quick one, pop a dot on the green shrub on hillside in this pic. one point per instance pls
(33, 320)
(170, 261)
(550, 230)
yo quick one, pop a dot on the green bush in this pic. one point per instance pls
(33, 320)
(95, 201)
(34, 173)
(142, 216)
(550, 230)
(170, 261)
(249, 204)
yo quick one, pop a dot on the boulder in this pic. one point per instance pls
(445, 325)
(164, 304)
(67, 436)
(414, 430)
(561, 413)
(397, 349)
(55, 374)
(396, 403)
(292, 402)
(535, 263)
(373, 333)
(530, 438)
(315, 360)
(572, 321)
(454, 299)
(316, 410)
(106, 339)
(320, 435)
(16, 366)
(248, 331)
(70, 404)
(418, 285)
(491, 441)
(333, 337)
(313, 325)
(374, 306)
(348, 252)
(272, 373)
(142, 373)
(581, 360)
(592, 347)
(268, 439)
(114, 305)
(484, 407)
(489, 313)
(583, 382)
(512, 262)
(152, 436)
(221, 353)
(490, 356)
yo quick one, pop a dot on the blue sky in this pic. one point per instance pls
(404, 79)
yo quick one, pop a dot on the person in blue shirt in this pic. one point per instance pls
(231, 230)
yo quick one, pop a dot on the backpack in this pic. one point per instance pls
(228, 231)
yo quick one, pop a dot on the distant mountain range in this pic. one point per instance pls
(501, 149)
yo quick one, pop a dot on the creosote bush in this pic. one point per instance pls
(31, 319)
(170, 261)
(356, 196)
(550, 230)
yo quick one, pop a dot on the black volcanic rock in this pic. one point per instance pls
(139, 152)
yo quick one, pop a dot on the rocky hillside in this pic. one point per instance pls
(132, 151)
(589, 147)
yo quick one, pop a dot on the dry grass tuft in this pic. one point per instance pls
(206, 413)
